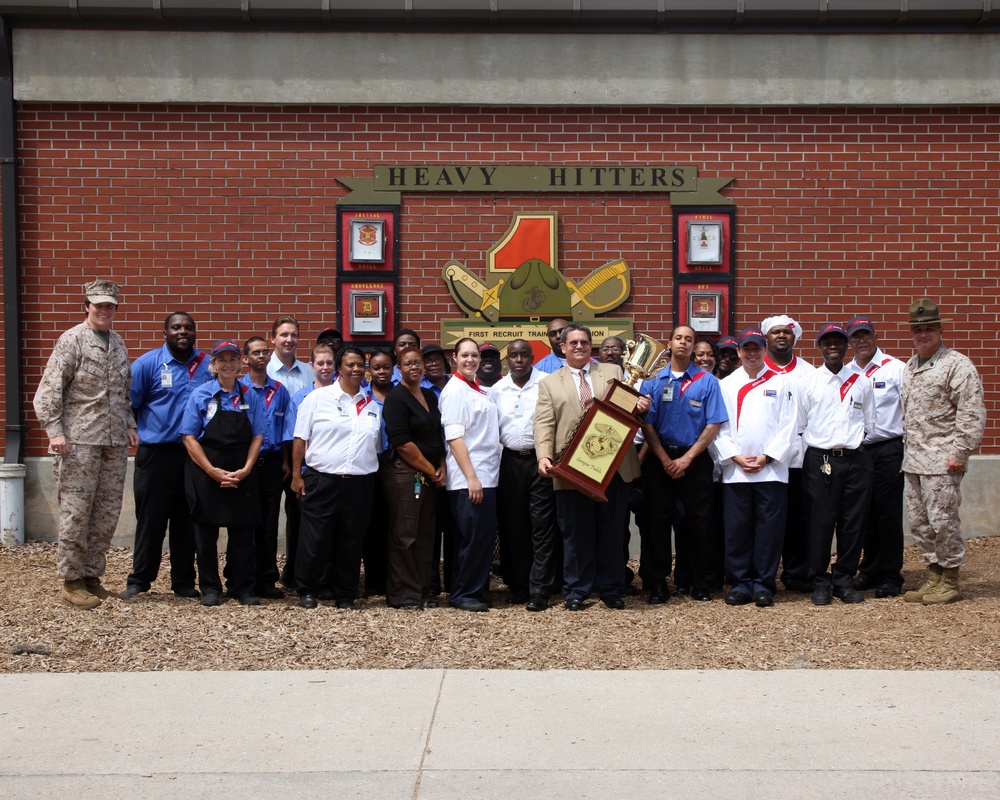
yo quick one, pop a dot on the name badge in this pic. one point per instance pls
(341, 411)
(166, 378)
(211, 409)
(770, 393)
(668, 393)
(244, 406)
(518, 409)
(857, 404)
(879, 384)
(696, 403)
(279, 413)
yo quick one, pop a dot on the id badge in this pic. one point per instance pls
(668, 393)
(166, 378)
(341, 411)
(518, 409)
(211, 409)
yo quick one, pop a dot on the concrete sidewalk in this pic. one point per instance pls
(500, 734)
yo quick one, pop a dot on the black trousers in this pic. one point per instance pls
(411, 532)
(442, 554)
(374, 553)
(239, 569)
(838, 502)
(592, 541)
(755, 528)
(160, 502)
(265, 535)
(475, 540)
(882, 556)
(663, 494)
(530, 546)
(335, 512)
(795, 550)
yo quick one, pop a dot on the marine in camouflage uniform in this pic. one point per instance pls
(83, 404)
(944, 417)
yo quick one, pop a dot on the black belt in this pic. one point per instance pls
(523, 453)
(839, 452)
(674, 452)
(265, 456)
(886, 441)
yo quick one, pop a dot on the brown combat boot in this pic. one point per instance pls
(933, 579)
(93, 585)
(947, 590)
(74, 594)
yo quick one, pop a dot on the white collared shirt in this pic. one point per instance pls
(582, 373)
(468, 414)
(796, 370)
(835, 410)
(516, 409)
(343, 434)
(886, 376)
(294, 378)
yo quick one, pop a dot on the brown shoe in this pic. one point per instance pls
(74, 594)
(93, 585)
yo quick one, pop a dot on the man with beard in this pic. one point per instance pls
(836, 410)
(557, 358)
(882, 563)
(612, 351)
(489, 371)
(162, 380)
(782, 333)
(684, 417)
(526, 513)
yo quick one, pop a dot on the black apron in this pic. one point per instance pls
(226, 442)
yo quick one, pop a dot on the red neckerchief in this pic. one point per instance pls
(749, 387)
(778, 368)
(192, 367)
(688, 381)
(845, 387)
(873, 368)
(473, 384)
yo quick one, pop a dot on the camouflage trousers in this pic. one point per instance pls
(91, 480)
(932, 503)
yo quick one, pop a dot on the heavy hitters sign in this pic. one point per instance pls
(682, 182)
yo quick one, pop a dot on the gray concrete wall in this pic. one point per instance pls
(543, 69)
(980, 502)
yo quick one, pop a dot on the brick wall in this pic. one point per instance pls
(229, 212)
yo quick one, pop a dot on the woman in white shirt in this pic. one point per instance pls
(338, 436)
(472, 433)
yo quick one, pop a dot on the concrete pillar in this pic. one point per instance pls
(12, 504)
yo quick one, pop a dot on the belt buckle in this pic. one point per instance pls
(838, 452)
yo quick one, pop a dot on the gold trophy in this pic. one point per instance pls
(642, 354)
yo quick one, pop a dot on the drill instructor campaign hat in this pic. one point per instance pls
(925, 312)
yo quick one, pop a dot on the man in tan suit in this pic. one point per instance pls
(592, 531)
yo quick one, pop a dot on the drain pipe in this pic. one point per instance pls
(12, 471)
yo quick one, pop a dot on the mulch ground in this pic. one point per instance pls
(158, 631)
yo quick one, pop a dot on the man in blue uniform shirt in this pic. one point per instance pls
(687, 410)
(555, 360)
(273, 465)
(162, 380)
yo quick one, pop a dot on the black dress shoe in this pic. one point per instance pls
(887, 590)
(211, 598)
(247, 600)
(431, 601)
(538, 602)
(406, 606)
(796, 585)
(473, 605)
(308, 600)
(821, 596)
(185, 591)
(326, 595)
(131, 591)
(574, 605)
(518, 598)
(738, 598)
(657, 596)
(346, 605)
(270, 592)
(763, 599)
(615, 603)
(864, 582)
(681, 591)
(848, 594)
(701, 595)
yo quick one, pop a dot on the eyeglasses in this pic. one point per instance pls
(411, 364)
(579, 345)
(611, 350)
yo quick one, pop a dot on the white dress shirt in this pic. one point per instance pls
(835, 410)
(343, 434)
(796, 370)
(468, 414)
(886, 376)
(762, 422)
(294, 378)
(516, 409)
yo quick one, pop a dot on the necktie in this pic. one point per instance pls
(586, 396)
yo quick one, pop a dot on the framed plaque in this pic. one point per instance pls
(367, 240)
(704, 242)
(598, 447)
(705, 311)
(368, 312)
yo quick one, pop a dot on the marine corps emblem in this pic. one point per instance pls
(605, 442)
(367, 235)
